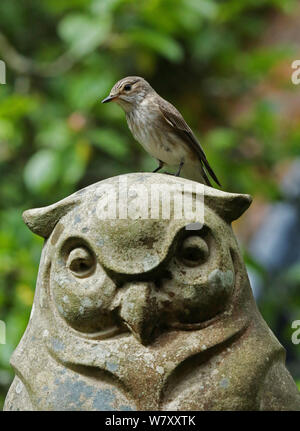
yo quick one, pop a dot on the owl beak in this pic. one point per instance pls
(108, 99)
(139, 311)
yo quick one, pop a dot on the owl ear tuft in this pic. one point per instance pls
(229, 206)
(42, 221)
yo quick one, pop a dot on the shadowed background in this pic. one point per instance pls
(225, 65)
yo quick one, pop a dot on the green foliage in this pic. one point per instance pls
(93, 31)
(204, 56)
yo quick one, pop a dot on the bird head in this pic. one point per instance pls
(129, 92)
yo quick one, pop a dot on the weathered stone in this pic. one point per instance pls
(145, 314)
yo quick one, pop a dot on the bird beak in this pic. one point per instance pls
(108, 99)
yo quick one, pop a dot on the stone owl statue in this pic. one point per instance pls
(145, 313)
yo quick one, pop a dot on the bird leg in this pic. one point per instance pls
(179, 169)
(159, 166)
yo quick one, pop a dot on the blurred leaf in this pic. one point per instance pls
(207, 8)
(6, 129)
(101, 7)
(42, 170)
(58, 6)
(25, 294)
(16, 106)
(259, 61)
(221, 139)
(293, 274)
(75, 161)
(157, 42)
(54, 135)
(88, 89)
(83, 33)
(110, 141)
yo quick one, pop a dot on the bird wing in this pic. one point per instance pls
(176, 120)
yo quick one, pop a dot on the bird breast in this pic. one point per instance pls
(149, 129)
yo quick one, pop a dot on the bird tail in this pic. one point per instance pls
(195, 173)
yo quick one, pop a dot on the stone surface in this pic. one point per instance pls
(140, 313)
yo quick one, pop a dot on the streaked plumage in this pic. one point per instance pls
(160, 128)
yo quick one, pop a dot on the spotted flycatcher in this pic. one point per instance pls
(160, 128)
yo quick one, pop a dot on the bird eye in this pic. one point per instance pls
(193, 251)
(81, 262)
(127, 87)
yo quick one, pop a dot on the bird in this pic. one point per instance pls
(161, 129)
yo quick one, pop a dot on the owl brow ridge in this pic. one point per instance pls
(142, 276)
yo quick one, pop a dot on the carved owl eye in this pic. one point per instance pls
(193, 251)
(81, 262)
